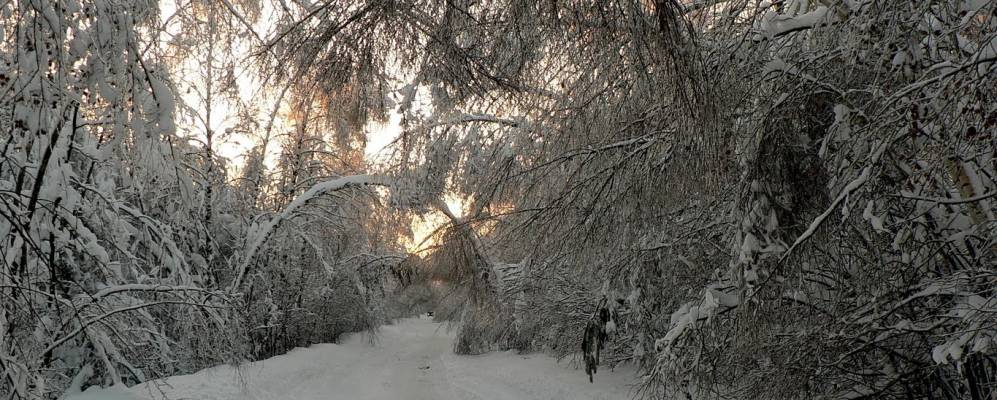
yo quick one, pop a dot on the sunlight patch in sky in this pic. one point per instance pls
(424, 226)
(379, 136)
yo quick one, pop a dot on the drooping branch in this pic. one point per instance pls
(259, 236)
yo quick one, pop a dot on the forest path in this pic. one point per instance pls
(409, 360)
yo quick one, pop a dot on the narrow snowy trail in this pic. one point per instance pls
(410, 360)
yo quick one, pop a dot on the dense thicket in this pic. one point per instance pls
(756, 199)
(130, 249)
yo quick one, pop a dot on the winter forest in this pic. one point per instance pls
(708, 199)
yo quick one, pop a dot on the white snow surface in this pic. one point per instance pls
(409, 360)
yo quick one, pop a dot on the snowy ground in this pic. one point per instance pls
(411, 360)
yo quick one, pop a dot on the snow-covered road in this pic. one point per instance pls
(410, 360)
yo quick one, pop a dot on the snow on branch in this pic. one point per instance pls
(138, 287)
(697, 5)
(86, 324)
(475, 118)
(714, 302)
(947, 201)
(773, 24)
(847, 191)
(258, 235)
